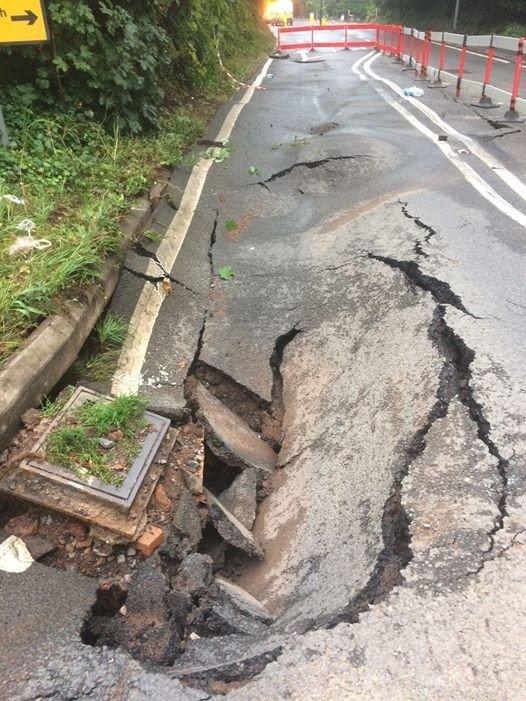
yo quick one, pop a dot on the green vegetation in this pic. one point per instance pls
(497, 16)
(76, 181)
(111, 330)
(226, 272)
(51, 408)
(121, 90)
(364, 9)
(75, 446)
(124, 414)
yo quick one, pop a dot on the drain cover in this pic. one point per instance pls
(122, 495)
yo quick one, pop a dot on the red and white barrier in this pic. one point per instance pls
(314, 37)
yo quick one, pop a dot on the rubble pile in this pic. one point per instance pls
(168, 586)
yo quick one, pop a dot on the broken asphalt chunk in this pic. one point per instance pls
(240, 498)
(230, 438)
(244, 601)
(232, 530)
(194, 574)
(146, 627)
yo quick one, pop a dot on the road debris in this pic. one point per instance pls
(14, 555)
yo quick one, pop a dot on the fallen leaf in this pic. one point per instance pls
(167, 286)
(226, 272)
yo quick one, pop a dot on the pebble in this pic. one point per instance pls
(106, 444)
(131, 552)
(121, 559)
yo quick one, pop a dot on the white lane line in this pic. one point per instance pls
(482, 187)
(127, 378)
(356, 65)
(473, 53)
(511, 180)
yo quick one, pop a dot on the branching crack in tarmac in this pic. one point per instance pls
(463, 357)
(430, 232)
(308, 164)
(440, 290)
(199, 348)
(504, 133)
(455, 381)
(157, 280)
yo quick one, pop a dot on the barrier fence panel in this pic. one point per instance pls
(435, 55)
(338, 36)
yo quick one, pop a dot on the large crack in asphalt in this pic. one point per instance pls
(440, 290)
(455, 381)
(311, 165)
(276, 360)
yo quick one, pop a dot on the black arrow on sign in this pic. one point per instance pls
(29, 17)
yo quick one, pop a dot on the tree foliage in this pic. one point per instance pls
(114, 58)
(498, 16)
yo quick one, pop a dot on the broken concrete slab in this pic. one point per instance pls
(230, 438)
(228, 659)
(241, 497)
(186, 523)
(218, 618)
(232, 530)
(243, 600)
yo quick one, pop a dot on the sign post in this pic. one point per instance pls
(21, 22)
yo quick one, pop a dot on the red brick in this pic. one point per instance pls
(150, 540)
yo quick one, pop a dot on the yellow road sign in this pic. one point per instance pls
(23, 22)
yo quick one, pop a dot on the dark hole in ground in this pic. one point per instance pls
(109, 602)
(217, 475)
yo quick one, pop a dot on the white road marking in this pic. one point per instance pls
(473, 53)
(482, 187)
(127, 378)
(511, 180)
(356, 65)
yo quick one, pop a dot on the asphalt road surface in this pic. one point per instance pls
(380, 249)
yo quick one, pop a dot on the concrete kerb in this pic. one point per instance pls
(54, 346)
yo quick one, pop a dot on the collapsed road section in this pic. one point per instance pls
(339, 507)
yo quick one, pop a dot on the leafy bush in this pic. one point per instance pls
(110, 59)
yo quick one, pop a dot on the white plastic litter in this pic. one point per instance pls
(14, 555)
(26, 244)
(27, 225)
(13, 199)
(413, 91)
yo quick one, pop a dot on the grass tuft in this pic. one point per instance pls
(123, 413)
